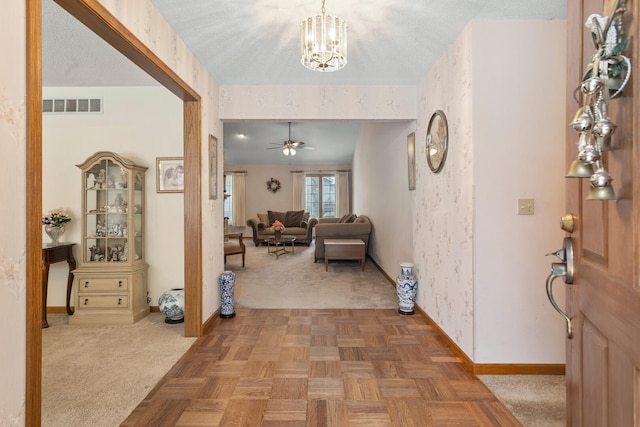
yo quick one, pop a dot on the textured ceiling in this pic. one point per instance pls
(256, 42)
(389, 41)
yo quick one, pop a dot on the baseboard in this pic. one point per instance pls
(482, 368)
(518, 369)
(208, 325)
(57, 309)
(384, 273)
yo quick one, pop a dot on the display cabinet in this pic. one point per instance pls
(111, 282)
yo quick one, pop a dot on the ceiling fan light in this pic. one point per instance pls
(292, 151)
(285, 151)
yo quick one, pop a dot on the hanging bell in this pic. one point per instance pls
(579, 169)
(591, 85)
(601, 186)
(603, 129)
(588, 154)
(581, 122)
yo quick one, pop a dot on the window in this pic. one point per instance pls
(320, 195)
(228, 196)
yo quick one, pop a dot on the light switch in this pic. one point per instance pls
(526, 206)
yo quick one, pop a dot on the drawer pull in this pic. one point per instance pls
(120, 283)
(119, 301)
(86, 284)
(86, 301)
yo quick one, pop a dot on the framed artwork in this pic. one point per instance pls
(411, 158)
(213, 167)
(170, 174)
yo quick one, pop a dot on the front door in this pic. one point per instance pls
(603, 356)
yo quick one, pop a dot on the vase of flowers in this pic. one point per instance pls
(54, 223)
(278, 228)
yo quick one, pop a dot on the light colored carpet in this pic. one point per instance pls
(295, 281)
(535, 400)
(95, 375)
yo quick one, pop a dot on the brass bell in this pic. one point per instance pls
(579, 169)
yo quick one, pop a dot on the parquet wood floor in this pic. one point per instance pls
(311, 368)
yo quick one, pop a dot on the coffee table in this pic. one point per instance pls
(278, 246)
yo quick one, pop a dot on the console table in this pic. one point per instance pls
(52, 253)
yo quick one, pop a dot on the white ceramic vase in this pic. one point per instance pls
(171, 304)
(54, 232)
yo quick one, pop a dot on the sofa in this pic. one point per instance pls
(297, 223)
(347, 227)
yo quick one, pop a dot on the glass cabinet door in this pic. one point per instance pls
(107, 212)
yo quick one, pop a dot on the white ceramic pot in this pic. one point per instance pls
(171, 304)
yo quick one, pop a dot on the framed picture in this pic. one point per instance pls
(213, 167)
(411, 157)
(170, 174)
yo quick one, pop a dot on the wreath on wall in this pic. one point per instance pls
(273, 185)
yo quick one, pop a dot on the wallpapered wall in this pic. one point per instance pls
(13, 213)
(443, 224)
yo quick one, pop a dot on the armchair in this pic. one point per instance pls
(232, 247)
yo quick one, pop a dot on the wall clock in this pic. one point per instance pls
(437, 141)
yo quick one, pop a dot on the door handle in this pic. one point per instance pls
(562, 269)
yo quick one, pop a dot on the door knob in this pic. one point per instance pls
(562, 269)
(568, 222)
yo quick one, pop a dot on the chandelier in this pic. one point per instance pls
(323, 42)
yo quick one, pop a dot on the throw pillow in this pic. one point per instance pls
(273, 215)
(343, 219)
(264, 219)
(347, 218)
(293, 218)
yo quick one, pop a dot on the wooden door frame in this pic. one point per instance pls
(98, 19)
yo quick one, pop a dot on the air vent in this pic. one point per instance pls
(72, 105)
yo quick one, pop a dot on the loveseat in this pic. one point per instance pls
(296, 223)
(348, 227)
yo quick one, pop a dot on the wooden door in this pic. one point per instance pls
(603, 357)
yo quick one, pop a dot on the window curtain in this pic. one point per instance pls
(342, 194)
(299, 191)
(238, 204)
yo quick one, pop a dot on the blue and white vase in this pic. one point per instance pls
(406, 288)
(171, 304)
(227, 282)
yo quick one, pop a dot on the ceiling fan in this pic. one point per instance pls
(289, 147)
